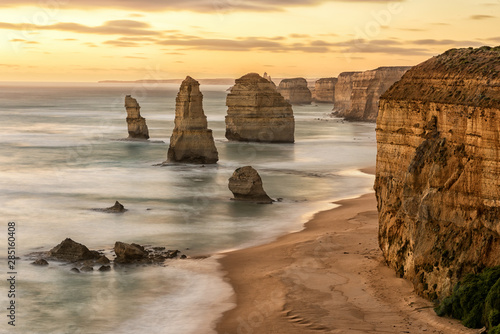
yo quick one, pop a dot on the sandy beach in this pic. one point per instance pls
(329, 277)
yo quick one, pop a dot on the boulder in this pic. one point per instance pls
(246, 185)
(40, 262)
(129, 253)
(69, 250)
(257, 112)
(137, 128)
(116, 208)
(191, 140)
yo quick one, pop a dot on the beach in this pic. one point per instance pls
(329, 277)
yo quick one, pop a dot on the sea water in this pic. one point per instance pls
(61, 156)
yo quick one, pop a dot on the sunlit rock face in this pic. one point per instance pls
(295, 91)
(438, 170)
(357, 94)
(258, 113)
(137, 128)
(324, 90)
(191, 140)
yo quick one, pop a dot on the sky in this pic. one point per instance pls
(92, 40)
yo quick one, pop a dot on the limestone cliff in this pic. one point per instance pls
(357, 94)
(295, 91)
(324, 90)
(438, 169)
(257, 112)
(137, 128)
(191, 140)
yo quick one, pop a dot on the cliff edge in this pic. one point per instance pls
(438, 170)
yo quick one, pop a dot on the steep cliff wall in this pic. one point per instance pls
(438, 169)
(295, 91)
(257, 112)
(324, 90)
(359, 92)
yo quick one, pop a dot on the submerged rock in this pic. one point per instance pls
(69, 250)
(116, 208)
(40, 262)
(191, 140)
(258, 113)
(137, 128)
(246, 185)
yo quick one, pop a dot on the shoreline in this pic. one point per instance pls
(329, 277)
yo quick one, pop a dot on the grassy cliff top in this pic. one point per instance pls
(458, 76)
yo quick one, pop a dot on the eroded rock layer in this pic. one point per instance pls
(295, 91)
(438, 170)
(258, 113)
(191, 140)
(357, 94)
(324, 90)
(137, 128)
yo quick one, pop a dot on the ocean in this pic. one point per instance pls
(61, 155)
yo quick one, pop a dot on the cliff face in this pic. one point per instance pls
(137, 128)
(257, 112)
(295, 91)
(191, 140)
(438, 170)
(359, 92)
(324, 90)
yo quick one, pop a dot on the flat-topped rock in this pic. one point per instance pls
(295, 91)
(324, 90)
(258, 113)
(191, 140)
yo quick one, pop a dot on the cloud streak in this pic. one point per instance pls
(202, 6)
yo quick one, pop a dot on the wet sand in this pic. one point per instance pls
(328, 278)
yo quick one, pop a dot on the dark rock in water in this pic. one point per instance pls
(128, 253)
(103, 260)
(40, 262)
(72, 251)
(246, 185)
(117, 208)
(183, 257)
(75, 270)
(105, 268)
(87, 268)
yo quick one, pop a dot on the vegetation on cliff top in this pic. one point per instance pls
(475, 301)
(458, 76)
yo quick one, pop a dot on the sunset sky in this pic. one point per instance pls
(91, 40)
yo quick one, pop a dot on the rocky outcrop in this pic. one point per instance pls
(137, 128)
(246, 185)
(134, 253)
(324, 90)
(357, 94)
(295, 91)
(191, 140)
(268, 78)
(258, 113)
(116, 208)
(71, 251)
(438, 170)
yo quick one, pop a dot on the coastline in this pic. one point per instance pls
(329, 277)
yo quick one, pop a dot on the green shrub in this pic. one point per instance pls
(475, 300)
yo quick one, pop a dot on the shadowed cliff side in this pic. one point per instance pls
(438, 170)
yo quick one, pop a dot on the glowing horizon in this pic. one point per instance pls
(79, 41)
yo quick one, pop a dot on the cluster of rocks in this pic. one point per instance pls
(85, 260)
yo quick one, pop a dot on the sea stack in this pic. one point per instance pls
(268, 78)
(357, 94)
(295, 91)
(324, 90)
(191, 140)
(438, 170)
(258, 113)
(246, 185)
(137, 128)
